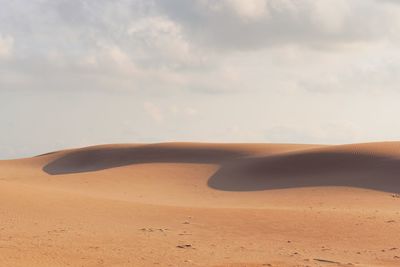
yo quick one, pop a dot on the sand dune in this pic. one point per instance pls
(199, 204)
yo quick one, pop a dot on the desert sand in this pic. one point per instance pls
(200, 204)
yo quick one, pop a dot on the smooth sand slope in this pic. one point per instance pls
(190, 204)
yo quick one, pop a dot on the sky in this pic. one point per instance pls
(82, 72)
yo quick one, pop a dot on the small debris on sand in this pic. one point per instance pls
(185, 246)
(327, 261)
(185, 233)
(154, 229)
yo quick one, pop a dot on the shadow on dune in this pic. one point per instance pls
(241, 173)
(309, 170)
(96, 159)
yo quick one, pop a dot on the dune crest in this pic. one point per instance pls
(254, 167)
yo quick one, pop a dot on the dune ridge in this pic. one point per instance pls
(203, 204)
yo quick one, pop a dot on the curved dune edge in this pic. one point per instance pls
(200, 204)
(254, 167)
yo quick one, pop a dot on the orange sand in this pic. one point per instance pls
(191, 204)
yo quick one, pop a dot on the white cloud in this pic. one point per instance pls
(249, 9)
(185, 111)
(298, 70)
(6, 46)
(331, 16)
(153, 111)
(326, 23)
(160, 43)
(190, 111)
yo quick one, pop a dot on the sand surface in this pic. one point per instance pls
(191, 204)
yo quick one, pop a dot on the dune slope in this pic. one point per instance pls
(199, 204)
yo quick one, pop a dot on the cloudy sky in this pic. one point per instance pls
(82, 72)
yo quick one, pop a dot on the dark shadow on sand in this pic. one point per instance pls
(96, 159)
(309, 170)
(241, 173)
